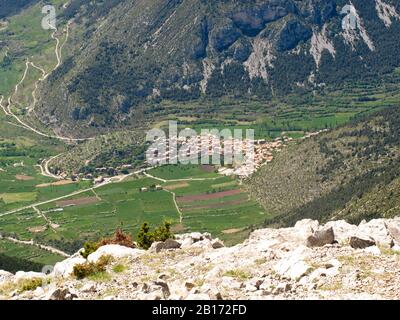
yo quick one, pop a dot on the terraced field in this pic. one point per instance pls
(215, 204)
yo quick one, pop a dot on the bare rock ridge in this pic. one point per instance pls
(308, 261)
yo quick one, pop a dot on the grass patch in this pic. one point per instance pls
(119, 268)
(238, 274)
(18, 197)
(101, 276)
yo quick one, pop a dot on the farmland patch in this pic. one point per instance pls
(77, 202)
(201, 197)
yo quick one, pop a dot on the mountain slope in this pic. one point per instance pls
(133, 53)
(10, 7)
(349, 173)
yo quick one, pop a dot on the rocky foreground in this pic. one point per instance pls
(308, 261)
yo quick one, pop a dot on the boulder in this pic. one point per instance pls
(373, 250)
(393, 227)
(38, 292)
(22, 275)
(302, 230)
(187, 243)
(292, 266)
(194, 236)
(61, 294)
(5, 276)
(282, 288)
(116, 252)
(306, 225)
(361, 242)
(203, 244)
(166, 245)
(164, 287)
(217, 244)
(321, 238)
(396, 248)
(378, 230)
(212, 291)
(342, 230)
(65, 268)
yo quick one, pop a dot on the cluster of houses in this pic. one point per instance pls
(313, 134)
(263, 154)
(239, 157)
(151, 188)
(254, 154)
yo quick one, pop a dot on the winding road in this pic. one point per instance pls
(41, 246)
(7, 109)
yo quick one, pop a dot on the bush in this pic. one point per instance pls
(88, 248)
(163, 233)
(120, 238)
(30, 284)
(146, 237)
(84, 270)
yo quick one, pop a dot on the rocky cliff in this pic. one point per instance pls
(308, 261)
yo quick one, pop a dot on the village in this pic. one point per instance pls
(235, 157)
(231, 157)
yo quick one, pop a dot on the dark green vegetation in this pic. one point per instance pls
(171, 172)
(90, 269)
(109, 152)
(351, 173)
(15, 257)
(10, 7)
(146, 237)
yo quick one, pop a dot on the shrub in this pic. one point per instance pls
(119, 268)
(88, 248)
(30, 284)
(119, 238)
(163, 233)
(145, 238)
(88, 269)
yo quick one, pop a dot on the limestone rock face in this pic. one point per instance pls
(5, 275)
(21, 275)
(115, 251)
(378, 229)
(292, 265)
(66, 268)
(308, 261)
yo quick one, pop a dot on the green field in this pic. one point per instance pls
(29, 257)
(125, 204)
(170, 172)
